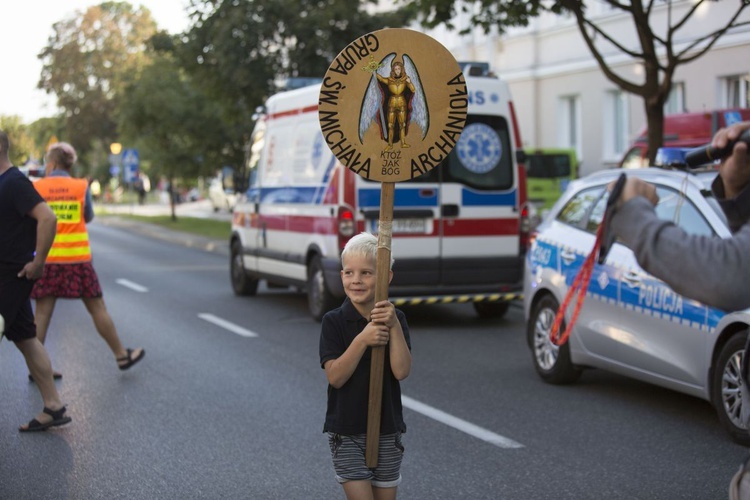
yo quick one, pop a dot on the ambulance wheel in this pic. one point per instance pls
(491, 309)
(552, 362)
(319, 297)
(242, 283)
(725, 387)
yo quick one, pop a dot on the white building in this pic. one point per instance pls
(563, 98)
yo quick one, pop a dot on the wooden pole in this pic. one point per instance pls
(377, 357)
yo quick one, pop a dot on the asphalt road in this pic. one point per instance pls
(229, 402)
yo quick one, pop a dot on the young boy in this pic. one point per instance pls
(347, 334)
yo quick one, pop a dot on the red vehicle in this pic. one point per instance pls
(684, 130)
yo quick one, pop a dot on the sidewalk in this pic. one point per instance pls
(201, 209)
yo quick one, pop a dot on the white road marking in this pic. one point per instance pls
(133, 286)
(459, 424)
(227, 325)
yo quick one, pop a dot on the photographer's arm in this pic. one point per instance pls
(713, 270)
(709, 269)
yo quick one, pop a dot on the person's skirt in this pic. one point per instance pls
(68, 281)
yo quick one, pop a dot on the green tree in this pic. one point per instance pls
(660, 48)
(89, 59)
(44, 131)
(175, 126)
(237, 50)
(21, 142)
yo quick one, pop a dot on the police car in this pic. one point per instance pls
(630, 322)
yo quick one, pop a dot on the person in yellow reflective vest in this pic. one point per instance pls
(69, 273)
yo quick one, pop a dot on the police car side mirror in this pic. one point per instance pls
(520, 156)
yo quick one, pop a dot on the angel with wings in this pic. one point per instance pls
(394, 99)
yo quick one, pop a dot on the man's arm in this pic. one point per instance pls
(88, 207)
(46, 228)
(709, 269)
(713, 270)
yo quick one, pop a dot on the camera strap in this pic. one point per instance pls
(603, 242)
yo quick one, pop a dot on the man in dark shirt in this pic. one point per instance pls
(27, 229)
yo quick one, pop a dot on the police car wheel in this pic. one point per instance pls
(491, 309)
(319, 298)
(725, 387)
(242, 283)
(551, 362)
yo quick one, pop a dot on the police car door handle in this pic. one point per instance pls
(568, 256)
(632, 278)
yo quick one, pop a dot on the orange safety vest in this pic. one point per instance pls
(66, 197)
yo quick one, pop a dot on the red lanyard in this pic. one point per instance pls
(603, 243)
(579, 286)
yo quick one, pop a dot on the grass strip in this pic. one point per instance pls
(210, 228)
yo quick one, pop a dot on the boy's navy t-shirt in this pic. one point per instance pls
(17, 230)
(347, 406)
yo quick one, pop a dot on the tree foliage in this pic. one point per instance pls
(659, 50)
(175, 125)
(89, 59)
(236, 50)
(21, 141)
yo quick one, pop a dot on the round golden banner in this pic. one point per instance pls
(392, 105)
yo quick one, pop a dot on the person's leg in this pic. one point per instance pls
(40, 368)
(45, 306)
(388, 472)
(384, 493)
(106, 328)
(104, 325)
(358, 490)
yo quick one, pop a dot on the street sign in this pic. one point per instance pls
(130, 162)
(130, 157)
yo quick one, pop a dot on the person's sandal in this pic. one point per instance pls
(55, 376)
(58, 418)
(127, 361)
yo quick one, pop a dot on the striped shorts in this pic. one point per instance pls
(348, 453)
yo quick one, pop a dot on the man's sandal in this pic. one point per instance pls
(128, 360)
(58, 418)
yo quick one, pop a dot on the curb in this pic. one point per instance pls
(189, 240)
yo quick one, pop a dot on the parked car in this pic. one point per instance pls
(630, 322)
(221, 191)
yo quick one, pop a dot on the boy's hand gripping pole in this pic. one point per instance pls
(604, 240)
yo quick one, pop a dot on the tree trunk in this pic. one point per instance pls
(172, 193)
(655, 124)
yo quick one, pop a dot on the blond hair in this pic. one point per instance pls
(363, 244)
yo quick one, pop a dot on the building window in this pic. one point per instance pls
(569, 124)
(615, 122)
(676, 100)
(736, 91)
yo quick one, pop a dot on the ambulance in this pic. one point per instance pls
(460, 231)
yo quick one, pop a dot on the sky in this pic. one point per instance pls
(25, 27)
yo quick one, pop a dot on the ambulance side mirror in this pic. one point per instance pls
(520, 156)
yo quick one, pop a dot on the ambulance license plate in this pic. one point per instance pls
(402, 226)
